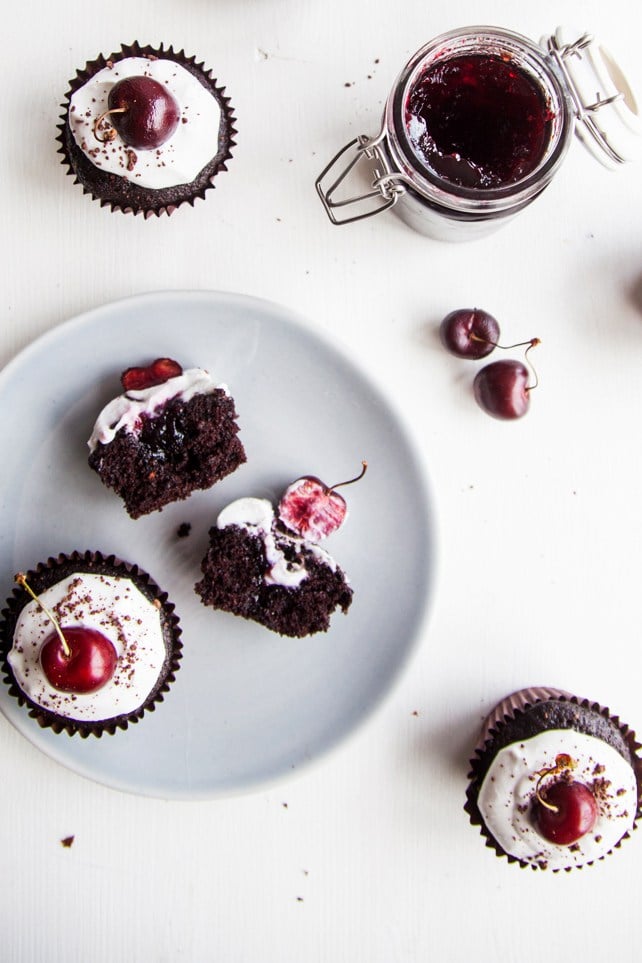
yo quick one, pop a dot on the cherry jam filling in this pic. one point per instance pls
(478, 120)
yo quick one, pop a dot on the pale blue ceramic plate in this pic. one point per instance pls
(247, 706)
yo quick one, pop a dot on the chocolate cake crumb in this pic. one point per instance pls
(67, 842)
(183, 529)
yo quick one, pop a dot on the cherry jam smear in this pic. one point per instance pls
(478, 121)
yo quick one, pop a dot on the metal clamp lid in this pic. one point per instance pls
(386, 185)
(608, 120)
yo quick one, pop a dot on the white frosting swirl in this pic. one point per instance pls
(256, 516)
(111, 605)
(125, 411)
(181, 158)
(506, 796)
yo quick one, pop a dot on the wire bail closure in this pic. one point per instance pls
(585, 112)
(386, 185)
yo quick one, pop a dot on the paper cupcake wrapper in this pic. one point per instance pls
(54, 570)
(116, 192)
(503, 714)
(516, 702)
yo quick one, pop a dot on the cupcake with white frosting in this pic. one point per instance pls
(145, 130)
(89, 643)
(555, 782)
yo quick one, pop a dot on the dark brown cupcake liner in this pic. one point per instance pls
(54, 570)
(119, 194)
(497, 732)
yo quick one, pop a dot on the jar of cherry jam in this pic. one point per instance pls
(476, 126)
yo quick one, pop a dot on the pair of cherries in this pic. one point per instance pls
(502, 388)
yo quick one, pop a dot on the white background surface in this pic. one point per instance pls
(368, 856)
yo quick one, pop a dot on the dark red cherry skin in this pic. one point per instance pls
(501, 389)
(150, 116)
(89, 666)
(469, 333)
(576, 815)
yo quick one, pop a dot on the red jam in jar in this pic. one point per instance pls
(478, 121)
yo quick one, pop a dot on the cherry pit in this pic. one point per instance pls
(502, 388)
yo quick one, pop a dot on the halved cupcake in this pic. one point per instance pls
(170, 433)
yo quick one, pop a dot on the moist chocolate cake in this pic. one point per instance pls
(156, 180)
(259, 570)
(539, 741)
(157, 444)
(101, 604)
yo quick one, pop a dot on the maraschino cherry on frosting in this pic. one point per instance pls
(566, 810)
(142, 111)
(74, 658)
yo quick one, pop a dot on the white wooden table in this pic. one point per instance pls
(367, 856)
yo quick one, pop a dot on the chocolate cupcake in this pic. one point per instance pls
(146, 130)
(89, 643)
(171, 432)
(555, 782)
(266, 565)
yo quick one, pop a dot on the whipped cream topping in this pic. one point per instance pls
(126, 410)
(257, 517)
(507, 792)
(181, 158)
(111, 605)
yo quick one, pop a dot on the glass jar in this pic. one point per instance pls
(476, 126)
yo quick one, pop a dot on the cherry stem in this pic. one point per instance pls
(504, 347)
(350, 481)
(562, 764)
(532, 344)
(21, 580)
(110, 133)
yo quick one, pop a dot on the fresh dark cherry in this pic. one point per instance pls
(574, 816)
(156, 373)
(469, 333)
(144, 112)
(89, 665)
(312, 509)
(478, 120)
(501, 389)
